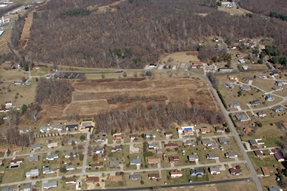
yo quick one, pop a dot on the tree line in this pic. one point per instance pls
(121, 38)
(128, 99)
(155, 115)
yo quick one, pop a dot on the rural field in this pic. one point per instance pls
(91, 97)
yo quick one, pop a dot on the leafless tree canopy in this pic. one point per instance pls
(155, 115)
(54, 91)
(138, 32)
(265, 6)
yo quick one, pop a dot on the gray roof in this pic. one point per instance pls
(211, 155)
(37, 146)
(193, 157)
(152, 145)
(253, 142)
(75, 140)
(278, 108)
(224, 139)
(275, 189)
(50, 184)
(214, 168)
(70, 167)
(48, 170)
(114, 164)
(234, 104)
(8, 189)
(232, 154)
(136, 161)
(189, 142)
(32, 158)
(52, 156)
(135, 176)
(241, 117)
(29, 186)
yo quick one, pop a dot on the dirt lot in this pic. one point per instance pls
(90, 96)
(180, 57)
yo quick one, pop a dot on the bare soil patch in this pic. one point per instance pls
(25, 35)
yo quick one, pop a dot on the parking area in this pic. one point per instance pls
(72, 75)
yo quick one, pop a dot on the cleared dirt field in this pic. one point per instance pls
(90, 97)
(180, 57)
(25, 35)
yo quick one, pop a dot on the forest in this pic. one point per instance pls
(137, 32)
(54, 92)
(155, 115)
(265, 6)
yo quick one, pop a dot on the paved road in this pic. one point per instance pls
(180, 185)
(236, 136)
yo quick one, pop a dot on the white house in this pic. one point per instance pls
(52, 145)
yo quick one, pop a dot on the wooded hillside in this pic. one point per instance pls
(137, 32)
(265, 6)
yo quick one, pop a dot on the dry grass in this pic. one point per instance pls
(25, 35)
(179, 57)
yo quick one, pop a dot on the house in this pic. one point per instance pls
(231, 155)
(212, 156)
(197, 65)
(249, 80)
(16, 149)
(265, 171)
(70, 181)
(4, 150)
(73, 141)
(214, 170)
(279, 157)
(275, 189)
(261, 114)
(278, 83)
(268, 97)
(52, 157)
(100, 139)
(114, 164)
(33, 158)
(135, 177)
(198, 173)
(235, 171)
(158, 151)
(253, 143)
(260, 76)
(242, 117)
(254, 102)
(118, 136)
(174, 159)
(70, 167)
(87, 125)
(152, 145)
(116, 149)
(239, 56)
(115, 178)
(258, 153)
(8, 189)
(44, 129)
(209, 143)
(193, 157)
(168, 134)
(70, 154)
(29, 187)
(48, 170)
(234, 105)
(219, 129)
(229, 85)
(278, 109)
(205, 130)
(186, 131)
(136, 161)
(241, 61)
(72, 127)
(26, 130)
(133, 137)
(150, 136)
(247, 130)
(16, 161)
(171, 145)
(33, 173)
(8, 104)
(58, 127)
(153, 160)
(176, 173)
(245, 88)
(279, 88)
(154, 176)
(232, 78)
(49, 185)
(98, 151)
(189, 143)
(98, 165)
(224, 140)
(93, 179)
(37, 146)
(225, 69)
(52, 145)
(274, 73)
